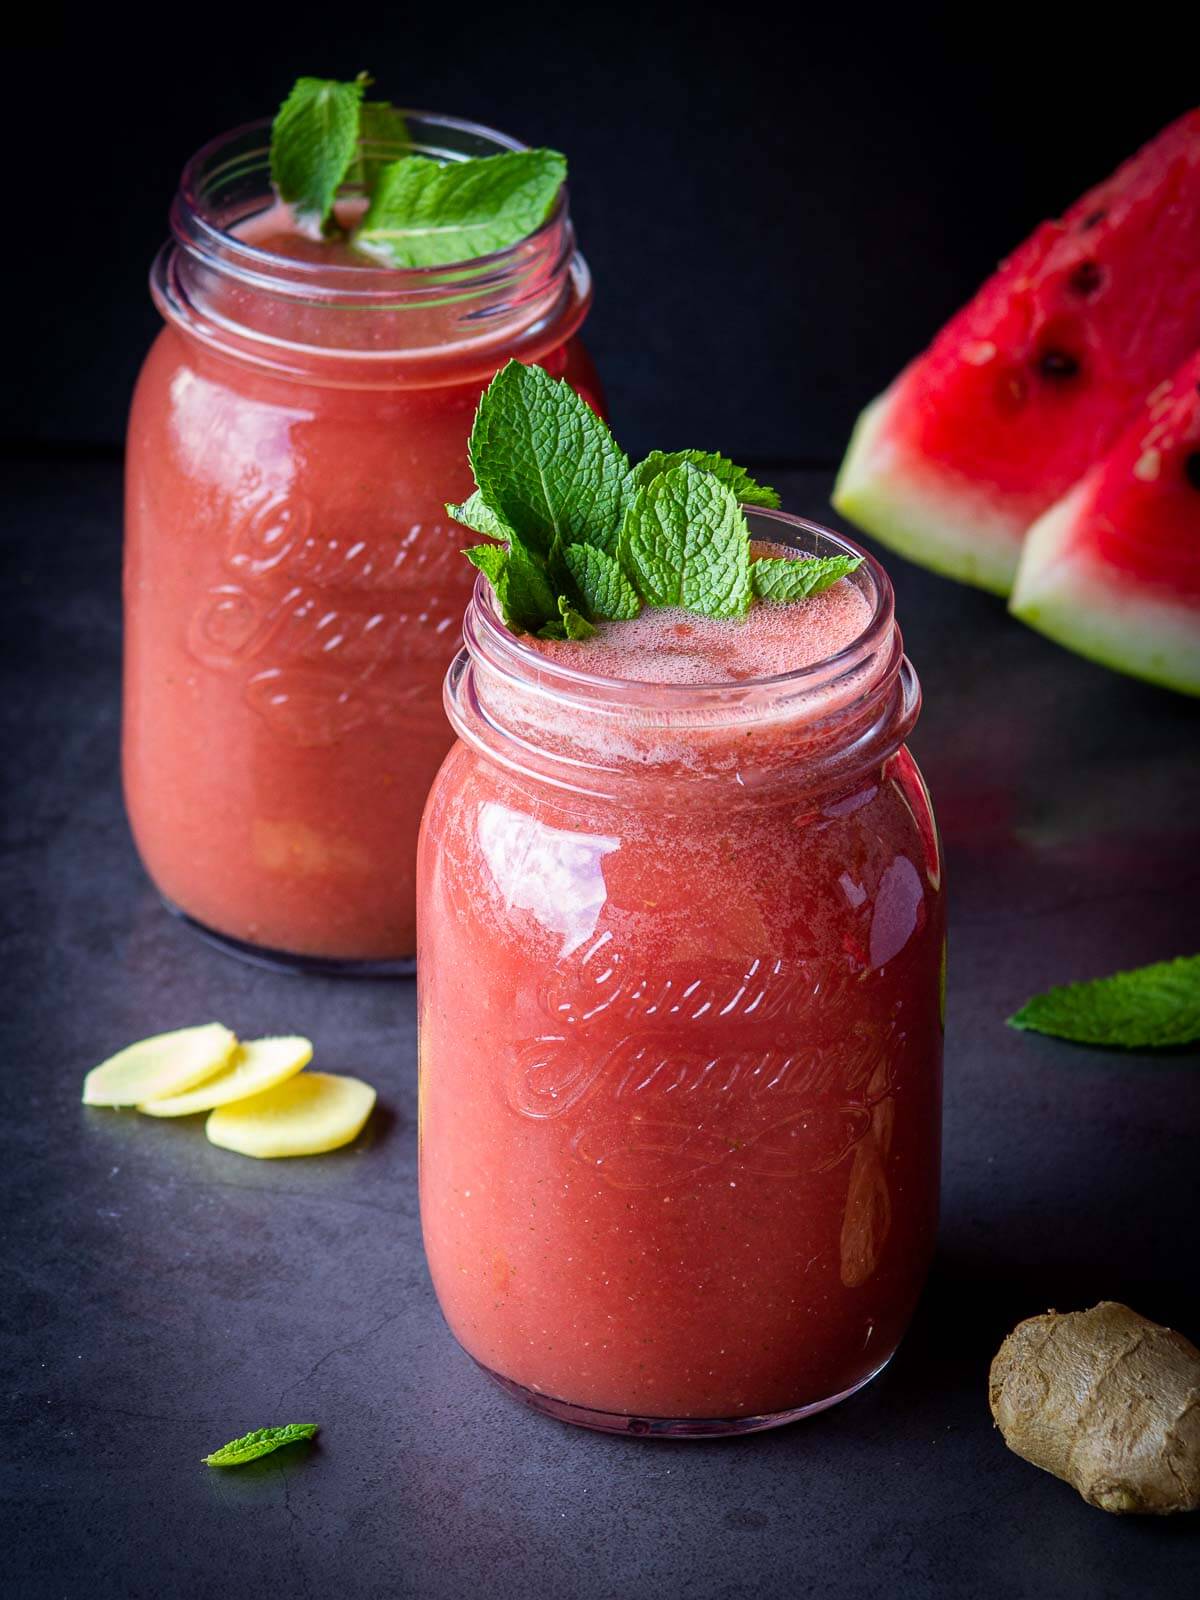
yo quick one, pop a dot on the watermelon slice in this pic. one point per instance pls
(1033, 380)
(1113, 570)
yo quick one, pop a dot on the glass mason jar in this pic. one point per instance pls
(681, 1028)
(293, 585)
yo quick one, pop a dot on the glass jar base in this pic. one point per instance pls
(670, 1427)
(285, 961)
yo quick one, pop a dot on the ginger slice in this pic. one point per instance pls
(257, 1065)
(310, 1113)
(1107, 1401)
(167, 1064)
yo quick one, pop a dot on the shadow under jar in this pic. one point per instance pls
(293, 585)
(682, 961)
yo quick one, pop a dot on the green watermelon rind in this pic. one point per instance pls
(1065, 591)
(946, 525)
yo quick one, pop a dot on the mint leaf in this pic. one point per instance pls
(313, 141)
(491, 560)
(685, 543)
(259, 1443)
(735, 478)
(477, 516)
(426, 214)
(783, 578)
(546, 464)
(1148, 1008)
(605, 590)
(382, 139)
(526, 595)
(574, 625)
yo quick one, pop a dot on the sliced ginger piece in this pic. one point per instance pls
(309, 1114)
(167, 1064)
(257, 1065)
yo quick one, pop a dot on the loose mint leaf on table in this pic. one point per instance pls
(783, 578)
(735, 478)
(685, 542)
(426, 214)
(314, 139)
(606, 591)
(546, 464)
(259, 1443)
(1149, 1008)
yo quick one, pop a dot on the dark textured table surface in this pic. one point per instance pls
(161, 1295)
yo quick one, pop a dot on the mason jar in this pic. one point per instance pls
(680, 1004)
(293, 584)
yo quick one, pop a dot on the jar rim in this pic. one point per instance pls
(196, 225)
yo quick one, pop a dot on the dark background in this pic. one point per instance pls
(778, 209)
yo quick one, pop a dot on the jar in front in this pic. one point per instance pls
(680, 1007)
(293, 585)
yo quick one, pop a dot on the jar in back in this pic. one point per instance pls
(293, 588)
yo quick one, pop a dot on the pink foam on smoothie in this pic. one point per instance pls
(674, 646)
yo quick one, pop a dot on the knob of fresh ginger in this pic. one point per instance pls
(1106, 1400)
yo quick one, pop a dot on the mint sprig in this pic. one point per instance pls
(582, 537)
(420, 213)
(314, 139)
(1147, 1008)
(259, 1443)
(426, 214)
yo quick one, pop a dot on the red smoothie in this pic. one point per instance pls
(293, 586)
(682, 932)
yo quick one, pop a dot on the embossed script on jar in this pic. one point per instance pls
(651, 1106)
(327, 635)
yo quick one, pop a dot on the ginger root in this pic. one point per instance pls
(1106, 1400)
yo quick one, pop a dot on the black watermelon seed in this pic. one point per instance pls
(1191, 468)
(1093, 221)
(1058, 365)
(1086, 279)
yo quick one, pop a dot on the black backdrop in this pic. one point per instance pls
(778, 211)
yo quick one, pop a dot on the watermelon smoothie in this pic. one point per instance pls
(293, 587)
(682, 931)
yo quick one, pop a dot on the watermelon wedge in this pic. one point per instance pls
(1113, 570)
(1034, 379)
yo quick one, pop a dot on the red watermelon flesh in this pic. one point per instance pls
(1034, 379)
(1113, 570)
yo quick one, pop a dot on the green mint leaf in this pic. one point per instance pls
(784, 579)
(685, 543)
(426, 214)
(526, 595)
(605, 590)
(314, 139)
(480, 518)
(1148, 1008)
(735, 478)
(382, 139)
(575, 625)
(491, 560)
(259, 1443)
(546, 464)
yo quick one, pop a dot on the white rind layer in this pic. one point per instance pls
(941, 522)
(1064, 591)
